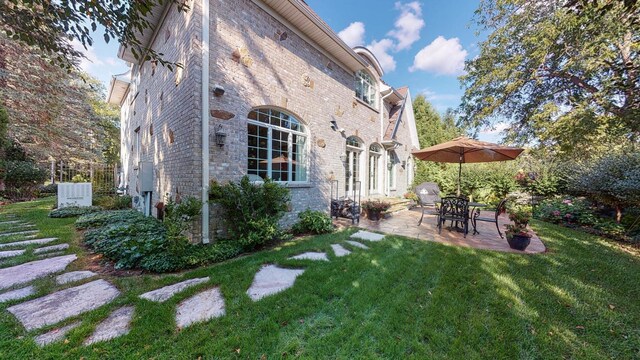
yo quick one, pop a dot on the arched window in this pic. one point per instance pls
(366, 89)
(277, 146)
(375, 154)
(352, 174)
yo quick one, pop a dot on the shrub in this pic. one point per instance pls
(567, 210)
(251, 211)
(113, 202)
(103, 218)
(22, 179)
(72, 211)
(313, 222)
(49, 189)
(375, 205)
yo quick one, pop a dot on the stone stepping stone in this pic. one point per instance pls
(165, 293)
(18, 233)
(8, 222)
(272, 280)
(339, 250)
(367, 235)
(50, 248)
(55, 334)
(357, 244)
(28, 242)
(11, 253)
(201, 307)
(18, 294)
(73, 276)
(116, 325)
(24, 273)
(311, 256)
(63, 304)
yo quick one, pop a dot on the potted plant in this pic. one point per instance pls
(374, 208)
(518, 235)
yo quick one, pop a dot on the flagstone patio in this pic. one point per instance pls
(405, 223)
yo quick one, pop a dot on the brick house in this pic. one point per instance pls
(267, 89)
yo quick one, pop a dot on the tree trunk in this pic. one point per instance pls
(618, 214)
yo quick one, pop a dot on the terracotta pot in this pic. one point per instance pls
(518, 242)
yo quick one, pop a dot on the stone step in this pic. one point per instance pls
(26, 232)
(357, 244)
(367, 235)
(61, 305)
(201, 307)
(339, 250)
(311, 256)
(74, 276)
(270, 280)
(116, 325)
(165, 293)
(30, 271)
(17, 294)
(11, 253)
(28, 242)
(55, 334)
(51, 248)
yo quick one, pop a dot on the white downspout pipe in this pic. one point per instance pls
(205, 121)
(385, 170)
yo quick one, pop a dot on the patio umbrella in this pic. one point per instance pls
(464, 150)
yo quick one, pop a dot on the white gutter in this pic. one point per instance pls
(205, 121)
(382, 135)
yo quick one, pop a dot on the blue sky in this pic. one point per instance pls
(422, 44)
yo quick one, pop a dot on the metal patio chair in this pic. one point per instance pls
(428, 196)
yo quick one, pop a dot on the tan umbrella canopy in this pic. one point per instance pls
(464, 150)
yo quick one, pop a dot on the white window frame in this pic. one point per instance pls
(270, 127)
(375, 159)
(367, 86)
(391, 171)
(354, 162)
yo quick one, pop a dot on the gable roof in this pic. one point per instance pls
(395, 114)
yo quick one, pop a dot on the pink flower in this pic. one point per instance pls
(566, 201)
(568, 215)
(556, 213)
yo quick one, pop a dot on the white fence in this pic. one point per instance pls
(74, 194)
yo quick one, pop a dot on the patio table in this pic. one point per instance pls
(472, 208)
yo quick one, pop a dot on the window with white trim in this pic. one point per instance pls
(277, 146)
(375, 154)
(391, 169)
(352, 174)
(366, 89)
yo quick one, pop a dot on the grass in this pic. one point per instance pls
(403, 298)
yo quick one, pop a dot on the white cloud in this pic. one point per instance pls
(381, 50)
(90, 59)
(353, 35)
(495, 129)
(408, 25)
(442, 56)
(434, 96)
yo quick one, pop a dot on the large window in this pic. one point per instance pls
(391, 169)
(277, 146)
(366, 88)
(352, 173)
(375, 153)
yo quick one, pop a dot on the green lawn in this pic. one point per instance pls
(402, 298)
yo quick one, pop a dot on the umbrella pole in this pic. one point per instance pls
(459, 173)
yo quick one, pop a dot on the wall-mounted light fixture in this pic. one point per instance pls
(404, 164)
(334, 126)
(221, 136)
(218, 90)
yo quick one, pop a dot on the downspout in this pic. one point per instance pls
(205, 121)
(386, 182)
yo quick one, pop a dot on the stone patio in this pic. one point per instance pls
(405, 223)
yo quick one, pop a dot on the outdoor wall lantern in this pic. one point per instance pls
(218, 90)
(221, 136)
(404, 164)
(334, 126)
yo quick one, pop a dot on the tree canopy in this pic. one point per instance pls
(52, 113)
(562, 74)
(52, 26)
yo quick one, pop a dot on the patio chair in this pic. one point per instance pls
(428, 196)
(499, 210)
(455, 209)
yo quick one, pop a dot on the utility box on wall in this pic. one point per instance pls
(74, 194)
(146, 176)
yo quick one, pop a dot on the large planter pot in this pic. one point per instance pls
(373, 215)
(518, 242)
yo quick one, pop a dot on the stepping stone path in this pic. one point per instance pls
(201, 307)
(165, 293)
(17, 294)
(271, 280)
(50, 248)
(55, 334)
(73, 276)
(10, 222)
(357, 244)
(366, 235)
(24, 273)
(339, 250)
(11, 253)
(61, 305)
(311, 256)
(117, 324)
(18, 233)
(49, 255)
(28, 242)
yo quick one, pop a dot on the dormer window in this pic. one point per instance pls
(366, 88)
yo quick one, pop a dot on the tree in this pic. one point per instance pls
(53, 114)
(53, 25)
(563, 76)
